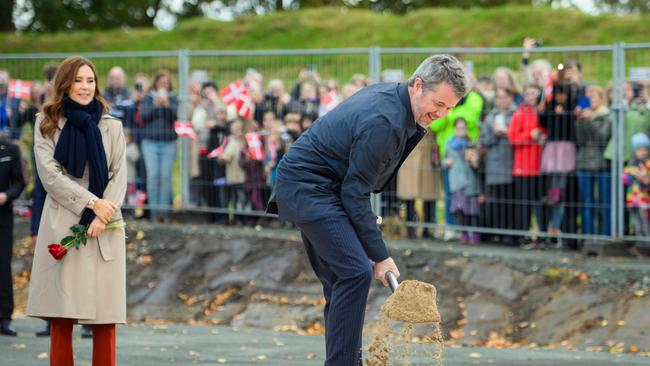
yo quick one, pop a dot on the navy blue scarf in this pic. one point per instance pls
(80, 142)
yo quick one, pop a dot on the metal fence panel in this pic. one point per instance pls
(555, 198)
(141, 123)
(275, 82)
(505, 210)
(634, 71)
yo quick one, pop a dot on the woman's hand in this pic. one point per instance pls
(104, 210)
(96, 228)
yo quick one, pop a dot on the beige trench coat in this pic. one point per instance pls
(88, 284)
(416, 178)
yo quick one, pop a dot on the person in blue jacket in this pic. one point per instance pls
(325, 180)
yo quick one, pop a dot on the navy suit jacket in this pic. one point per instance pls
(12, 182)
(345, 155)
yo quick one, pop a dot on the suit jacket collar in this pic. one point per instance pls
(412, 128)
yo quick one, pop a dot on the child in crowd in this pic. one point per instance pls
(275, 149)
(559, 155)
(252, 161)
(235, 175)
(636, 178)
(461, 157)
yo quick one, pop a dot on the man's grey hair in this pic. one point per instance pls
(442, 68)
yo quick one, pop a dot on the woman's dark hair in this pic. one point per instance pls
(571, 92)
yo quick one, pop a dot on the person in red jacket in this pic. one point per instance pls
(527, 138)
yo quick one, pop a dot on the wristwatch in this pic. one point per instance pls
(91, 203)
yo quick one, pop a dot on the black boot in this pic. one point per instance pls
(45, 332)
(6, 329)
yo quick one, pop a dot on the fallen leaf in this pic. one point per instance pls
(19, 345)
(475, 355)
(221, 360)
(261, 357)
(311, 356)
(42, 355)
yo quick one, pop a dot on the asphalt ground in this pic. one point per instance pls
(158, 345)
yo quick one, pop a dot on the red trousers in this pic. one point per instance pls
(61, 343)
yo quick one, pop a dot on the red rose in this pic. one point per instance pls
(57, 251)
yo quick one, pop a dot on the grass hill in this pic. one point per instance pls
(340, 27)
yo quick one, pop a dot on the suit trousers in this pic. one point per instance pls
(6, 282)
(343, 268)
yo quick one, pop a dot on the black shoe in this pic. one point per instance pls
(6, 329)
(45, 332)
(86, 331)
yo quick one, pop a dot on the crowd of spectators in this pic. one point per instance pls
(529, 143)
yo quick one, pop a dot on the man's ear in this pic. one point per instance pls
(418, 83)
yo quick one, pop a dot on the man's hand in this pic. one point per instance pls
(96, 228)
(3, 198)
(104, 210)
(383, 267)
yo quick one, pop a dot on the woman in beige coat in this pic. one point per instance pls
(419, 178)
(80, 157)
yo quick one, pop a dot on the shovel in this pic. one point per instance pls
(392, 281)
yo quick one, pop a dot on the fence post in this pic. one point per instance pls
(374, 74)
(183, 115)
(618, 135)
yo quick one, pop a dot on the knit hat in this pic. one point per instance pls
(640, 140)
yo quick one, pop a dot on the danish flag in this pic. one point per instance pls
(184, 129)
(255, 148)
(20, 89)
(330, 100)
(548, 90)
(216, 153)
(236, 94)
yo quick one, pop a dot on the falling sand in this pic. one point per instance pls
(412, 304)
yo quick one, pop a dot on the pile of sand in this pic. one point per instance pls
(413, 302)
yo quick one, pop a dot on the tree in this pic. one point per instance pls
(6, 14)
(629, 6)
(99, 14)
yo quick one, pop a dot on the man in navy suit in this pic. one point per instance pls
(325, 180)
(11, 185)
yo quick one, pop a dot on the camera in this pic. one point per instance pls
(538, 43)
(138, 87)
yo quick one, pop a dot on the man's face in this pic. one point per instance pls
(116, 79)
(572, 74)
(430, 105)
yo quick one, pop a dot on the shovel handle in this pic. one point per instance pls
(392, 281)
